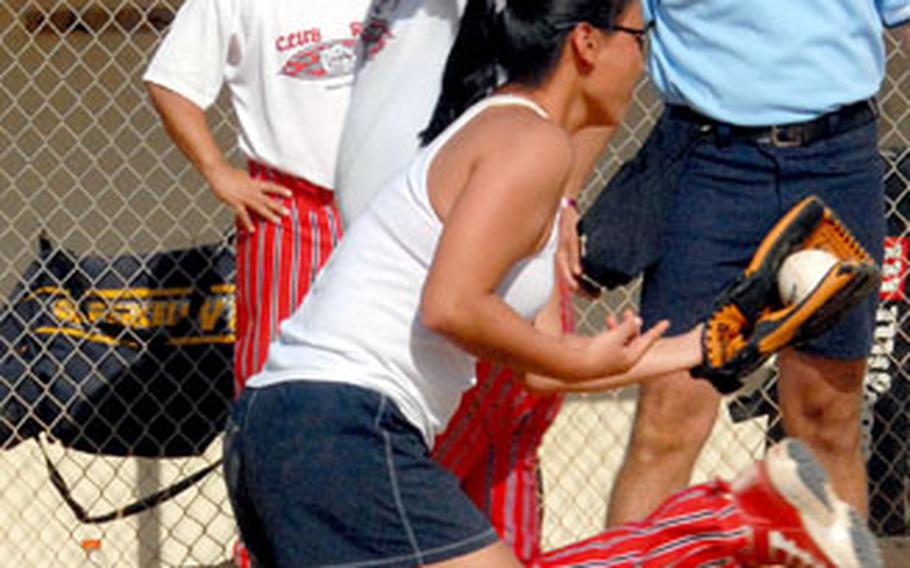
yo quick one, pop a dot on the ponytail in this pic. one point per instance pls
(509, 40)
(471, 72)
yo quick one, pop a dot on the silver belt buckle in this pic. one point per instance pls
(785, 141)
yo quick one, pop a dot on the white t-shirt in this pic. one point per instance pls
(289, 68)
(400, 63)
(360, 322)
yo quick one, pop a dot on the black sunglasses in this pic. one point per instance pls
(638, 33)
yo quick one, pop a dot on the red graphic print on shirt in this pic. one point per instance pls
(315, 58)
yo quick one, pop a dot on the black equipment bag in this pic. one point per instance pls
(123, 356)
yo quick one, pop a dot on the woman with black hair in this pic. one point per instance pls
(327, 451)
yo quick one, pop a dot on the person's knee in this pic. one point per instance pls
(821, 402)
(675, 416)
(832, 432)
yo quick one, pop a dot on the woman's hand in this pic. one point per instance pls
(621, 353)
(567, 255)
(622, 344)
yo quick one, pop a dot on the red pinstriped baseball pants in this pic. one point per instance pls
(491, 445)
(276, 264)
(700, 527)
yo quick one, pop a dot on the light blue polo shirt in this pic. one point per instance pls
(764, 62)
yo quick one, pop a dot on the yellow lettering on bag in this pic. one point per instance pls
(158, 314)
(128, 314)
(209, 312)
(95, 311)
(177, 311)
(65, 310)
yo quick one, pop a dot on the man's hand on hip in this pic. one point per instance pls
(248, 196)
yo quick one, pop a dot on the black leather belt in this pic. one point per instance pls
(835, 122)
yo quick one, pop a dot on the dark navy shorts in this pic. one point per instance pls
(731, 192)
(328, 474)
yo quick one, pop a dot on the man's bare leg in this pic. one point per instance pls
(821, 403)
(673, 420)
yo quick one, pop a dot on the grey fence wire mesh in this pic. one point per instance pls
(84, 161)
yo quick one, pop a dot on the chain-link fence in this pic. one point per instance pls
(85, 163)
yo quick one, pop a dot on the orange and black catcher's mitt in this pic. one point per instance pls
(750, 322)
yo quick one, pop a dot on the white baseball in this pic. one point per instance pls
(801, 272)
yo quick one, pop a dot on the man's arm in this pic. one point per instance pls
(186, 125)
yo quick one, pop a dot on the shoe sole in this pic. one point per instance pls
(833, 525)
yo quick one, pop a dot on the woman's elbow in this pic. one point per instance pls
(538, 385)
(439, 315)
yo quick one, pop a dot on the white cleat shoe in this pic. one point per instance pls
(795, 517)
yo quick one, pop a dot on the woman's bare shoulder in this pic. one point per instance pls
(518, 137)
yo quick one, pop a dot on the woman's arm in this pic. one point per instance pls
(668, 355)
(677, 353)
(501, 215)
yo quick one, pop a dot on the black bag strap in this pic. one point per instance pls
(137, 506)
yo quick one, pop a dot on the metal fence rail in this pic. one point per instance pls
(85, 163)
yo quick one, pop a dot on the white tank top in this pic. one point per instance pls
(360, 322)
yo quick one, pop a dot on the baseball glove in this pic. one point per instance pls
(750, 322)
